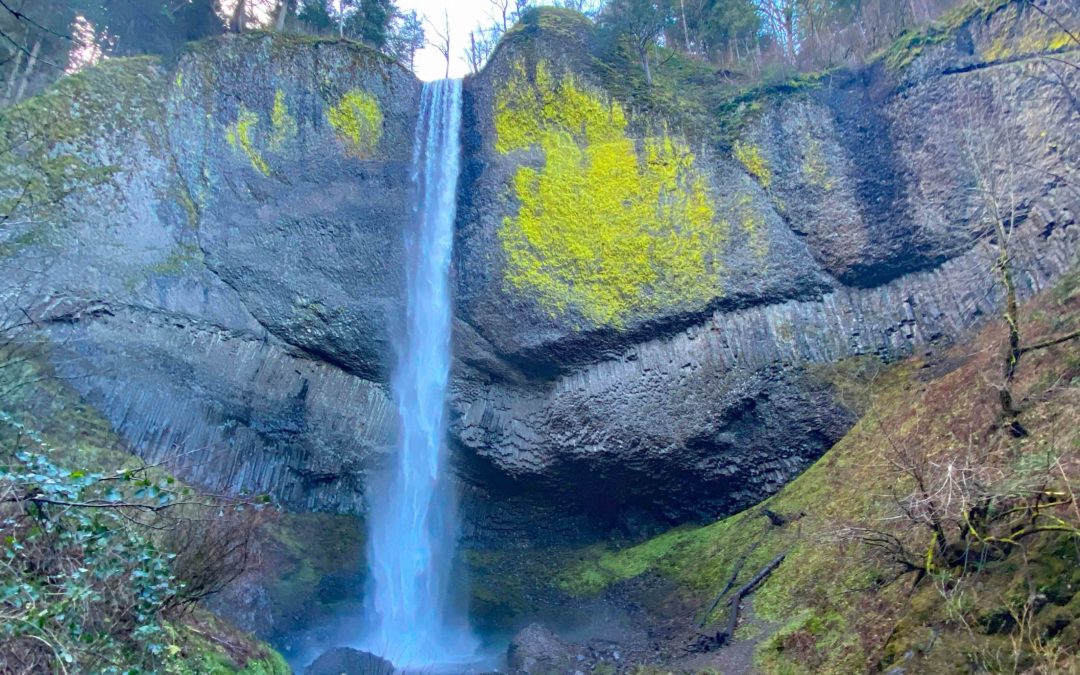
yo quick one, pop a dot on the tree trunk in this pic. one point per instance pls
(685, 29)
(283, 13)
(14, 75)
(28, 73)
(236, 21)
(1012, 320)
(789, 28)
(645, 65)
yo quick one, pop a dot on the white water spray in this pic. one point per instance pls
(413, 519)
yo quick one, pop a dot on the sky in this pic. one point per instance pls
(464, 16)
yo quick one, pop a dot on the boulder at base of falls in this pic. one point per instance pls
(536, 649)
(348, 661)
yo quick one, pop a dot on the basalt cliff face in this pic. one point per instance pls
(643, 296)
(659, 365)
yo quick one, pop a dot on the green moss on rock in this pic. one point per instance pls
(49, 143)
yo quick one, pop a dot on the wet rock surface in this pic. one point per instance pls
(536, 649)
(348, 661)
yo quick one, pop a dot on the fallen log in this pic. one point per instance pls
(728, 585)
(746, 589)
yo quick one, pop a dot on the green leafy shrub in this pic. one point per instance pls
(87, 582)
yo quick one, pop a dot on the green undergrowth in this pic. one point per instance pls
(76, 436)
(205, 645)
(842, 606)
(690, 94)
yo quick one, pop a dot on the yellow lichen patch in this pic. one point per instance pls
(241, 136)
(607, 227)
(282, 121)
(813, 164)
(1032, 43)
(357, 120)
(750, 157)
(752, 223)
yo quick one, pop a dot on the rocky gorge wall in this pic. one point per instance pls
(214, 253)
(220, 274)
(845, 215)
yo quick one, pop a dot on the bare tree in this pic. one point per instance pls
(780, 19)
(442, 42)
(999, 185)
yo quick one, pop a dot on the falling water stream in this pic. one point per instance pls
(413, 518)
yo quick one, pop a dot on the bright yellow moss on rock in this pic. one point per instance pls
(608, 227)
(750, 157)
(241, 136)
(357, 119)
(1002, 49)
(284, 124)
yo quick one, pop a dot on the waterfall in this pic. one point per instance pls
(412, 516)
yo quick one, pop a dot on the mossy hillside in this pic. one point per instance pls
(1044, 37)
(558, 21)
(38, 397)
(202, 644)
(841, 607)
(605, 230)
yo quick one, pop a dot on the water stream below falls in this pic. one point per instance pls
(413, 525)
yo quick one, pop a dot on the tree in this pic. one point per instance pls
(484, 39)
(406, 37)
(315, 17)
(642, 22)
(286, 8)
(161, 27)
(34, 43)
(369, 21)
(716, 28)
(999, 182)
(780, 20)
(590, 8)
(442, 41)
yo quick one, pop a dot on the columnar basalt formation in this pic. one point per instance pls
(638, 297)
